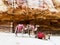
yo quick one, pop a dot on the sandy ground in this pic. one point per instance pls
(55, 40)
(11, 39)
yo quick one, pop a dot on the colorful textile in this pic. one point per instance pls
(19, 28)
(40, 35)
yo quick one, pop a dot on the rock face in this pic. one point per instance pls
(57, 4)
(46, 19)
